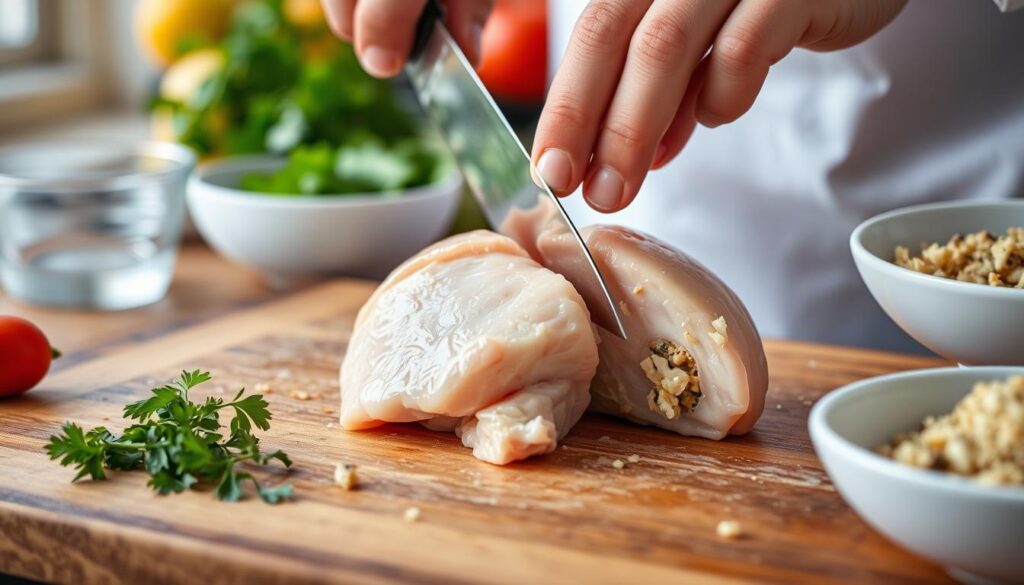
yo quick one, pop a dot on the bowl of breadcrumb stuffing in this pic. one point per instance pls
(951, 275)
(934, 460)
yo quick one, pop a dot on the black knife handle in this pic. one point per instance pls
(432, 12)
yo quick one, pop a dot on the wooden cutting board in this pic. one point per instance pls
(569, 517)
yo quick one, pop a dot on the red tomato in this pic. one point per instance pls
(25, 355)
(514, 47)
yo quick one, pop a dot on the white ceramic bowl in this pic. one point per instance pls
(290, 238)
(965, 322)
(973, 530)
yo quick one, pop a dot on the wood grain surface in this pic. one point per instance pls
(569, 517)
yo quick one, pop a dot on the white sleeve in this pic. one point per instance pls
(1008, 5)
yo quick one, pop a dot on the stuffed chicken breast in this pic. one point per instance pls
(473, 336)
(693, 362)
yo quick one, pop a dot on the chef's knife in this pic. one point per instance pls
(497, 167)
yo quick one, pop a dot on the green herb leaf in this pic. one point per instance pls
(255, 408)
(143, 409)
(229, 489)
(177, 442)
(75, 447)
(274, 494)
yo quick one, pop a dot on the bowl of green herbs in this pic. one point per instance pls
(311, 167)
(288, 233)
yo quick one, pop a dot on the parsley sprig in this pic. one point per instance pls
(178, 442)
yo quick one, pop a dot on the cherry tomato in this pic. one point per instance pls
(514, 47)
(25, 355)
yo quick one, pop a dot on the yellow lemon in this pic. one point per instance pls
(183, 79)
(303, 12)
(161, 25)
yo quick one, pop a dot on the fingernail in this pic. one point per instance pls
(379, 62)
(606, 187)
(710, 122)
(659, 154)
(556, 169)
(476, 30)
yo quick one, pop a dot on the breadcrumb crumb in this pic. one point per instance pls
(411, 514)
(638, 289)
(979, 258)
(633, 459)
(720, 335)
(730, 529)
(618, 464)
(983, 438)
(345, 476)
(299, 395)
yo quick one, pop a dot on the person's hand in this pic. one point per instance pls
(382, 31)
(637, 77)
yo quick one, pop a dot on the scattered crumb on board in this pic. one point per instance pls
(299, 395)
(730, 529)
(633, 459)
(345, 476)
(618, 464)
(411, 514)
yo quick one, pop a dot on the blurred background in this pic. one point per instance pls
(240, 77)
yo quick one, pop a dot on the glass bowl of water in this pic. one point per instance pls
(91, 225)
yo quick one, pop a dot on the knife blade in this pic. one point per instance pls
(496, 166)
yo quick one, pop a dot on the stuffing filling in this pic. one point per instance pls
(673, 372)
(720, 333)
(983, 438)
(979, 258)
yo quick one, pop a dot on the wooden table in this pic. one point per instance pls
(569, 517)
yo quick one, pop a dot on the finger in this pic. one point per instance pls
(339, 17)
(384, 31)
(582, 89)
(663, 52)
(755, 37)
(684, 123)
(465, 20)
(838, 25)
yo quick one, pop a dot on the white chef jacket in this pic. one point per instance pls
(929, 109)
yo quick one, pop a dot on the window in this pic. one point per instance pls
(19, 23)
(26, 31)
(65, 57)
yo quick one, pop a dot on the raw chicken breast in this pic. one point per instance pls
(472, 335)
(694, 362)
